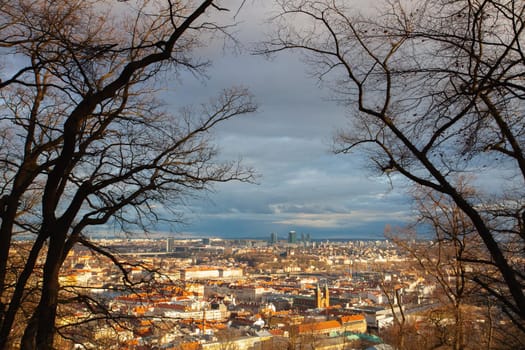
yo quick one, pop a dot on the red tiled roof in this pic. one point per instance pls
(318, 326)
(276, 332)
(352, 318)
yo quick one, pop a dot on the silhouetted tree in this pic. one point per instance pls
(442, 259)
(84, 141)
(435, 90)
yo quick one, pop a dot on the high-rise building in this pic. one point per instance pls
(170, 244)
(273, 238)
(292, 237)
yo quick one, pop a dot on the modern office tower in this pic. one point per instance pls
(170, 244)
(273, 238)
(292, 237)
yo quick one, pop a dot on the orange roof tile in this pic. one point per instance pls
(352, 318)
(318, 326)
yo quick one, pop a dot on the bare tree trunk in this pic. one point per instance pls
(490, 325)
(14, 305)
(41, 328)
(401, 322)
(6, 229)
(458, 328)
(8, 212)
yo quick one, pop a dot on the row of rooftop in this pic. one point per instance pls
(254, 292)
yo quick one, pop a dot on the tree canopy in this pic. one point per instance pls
(435, 94)
(85, 139)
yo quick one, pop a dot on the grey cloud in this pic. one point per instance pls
(307, 208)
(301, 185)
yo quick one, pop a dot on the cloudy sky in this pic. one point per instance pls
(302, 186)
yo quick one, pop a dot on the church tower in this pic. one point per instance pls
(318, 298)
(326, 296)
(322, 298)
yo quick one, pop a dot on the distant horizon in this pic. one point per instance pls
(235, 236)
(255, 231)
(281, 237)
